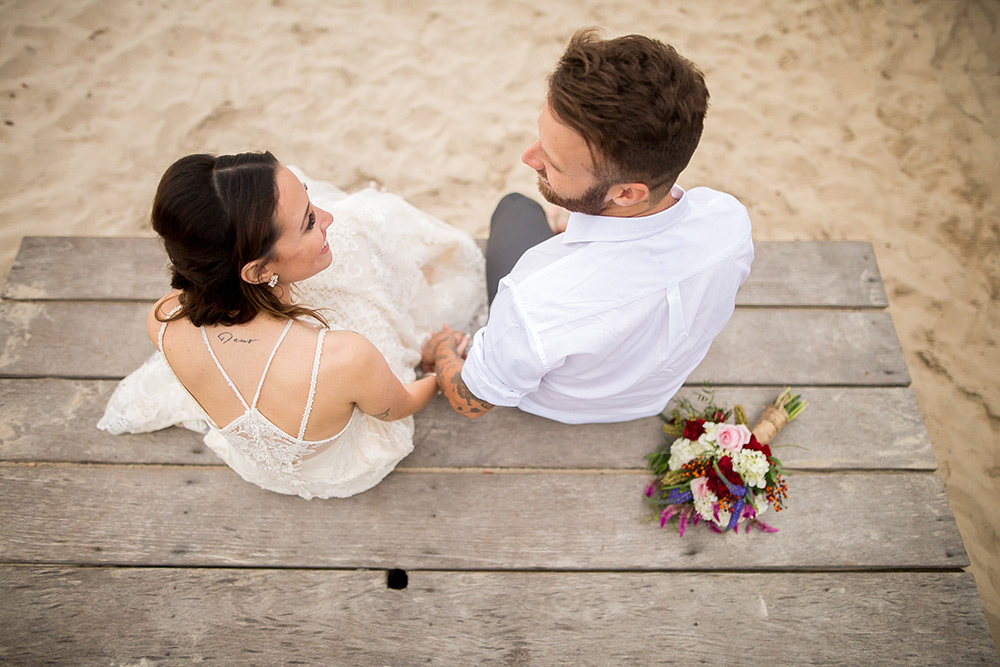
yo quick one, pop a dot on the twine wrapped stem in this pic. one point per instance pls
(777, 415)
(773, 420)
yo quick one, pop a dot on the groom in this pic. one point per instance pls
(603, 321)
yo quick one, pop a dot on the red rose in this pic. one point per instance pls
(693, 428)
(715, 484)
(726, 466)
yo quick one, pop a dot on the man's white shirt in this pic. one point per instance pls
(604, 322)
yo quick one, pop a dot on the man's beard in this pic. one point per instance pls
(590, 202)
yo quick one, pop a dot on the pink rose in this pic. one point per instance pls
(699, 487)
(732, 438)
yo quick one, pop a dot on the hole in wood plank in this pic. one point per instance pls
(396, 579)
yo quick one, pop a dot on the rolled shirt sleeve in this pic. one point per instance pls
(504, 363)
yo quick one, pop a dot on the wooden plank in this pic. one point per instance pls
(207, 516)
(101, 616)
(800, 273)
(55, 420)
(886, 432)
(88, 268)
(72, 339)
(814, 273)
(758, 346)
(803, 347)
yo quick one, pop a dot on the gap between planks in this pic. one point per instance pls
(512, 570)
(460, 470)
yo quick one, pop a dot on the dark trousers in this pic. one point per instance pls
(518, 223)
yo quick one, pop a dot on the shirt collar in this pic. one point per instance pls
(583, 228)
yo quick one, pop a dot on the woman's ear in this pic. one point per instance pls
(253, 272)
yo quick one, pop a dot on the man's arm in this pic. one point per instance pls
(448, 363)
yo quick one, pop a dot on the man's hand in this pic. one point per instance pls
(453, 337)
(444, 353)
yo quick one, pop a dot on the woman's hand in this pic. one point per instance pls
(445, 354)
(449, 337)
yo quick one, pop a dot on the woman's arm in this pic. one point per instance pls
(375, 388)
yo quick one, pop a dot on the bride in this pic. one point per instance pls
(295, 399)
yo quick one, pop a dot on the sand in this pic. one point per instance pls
(829, 120)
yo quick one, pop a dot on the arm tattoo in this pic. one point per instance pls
(462, 400)
(384, 416)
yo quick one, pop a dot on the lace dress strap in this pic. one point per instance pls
(260, 385)
(204, 337)
(163, 327)
(312, 383)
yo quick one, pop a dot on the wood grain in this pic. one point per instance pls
(814, 273)
(102, 616)
(525, 540)
(843, 428)
(76, 339)
(840, 274)
(85, 268)
(885, 432)
(200, 516)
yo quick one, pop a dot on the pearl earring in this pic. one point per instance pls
(273, 281)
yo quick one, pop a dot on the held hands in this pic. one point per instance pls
(442, 340)
(444, 353)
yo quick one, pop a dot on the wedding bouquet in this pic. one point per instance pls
(720, 472)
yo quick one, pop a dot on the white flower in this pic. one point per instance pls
(760, 503)
(751, 466)
(705, 505)
(683, 450)
(708, 437)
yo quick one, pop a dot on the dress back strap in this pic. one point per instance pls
(163, 327)
(263, 375)
(204, 337)
(312, 383)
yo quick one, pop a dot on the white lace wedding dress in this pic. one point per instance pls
(397, 275)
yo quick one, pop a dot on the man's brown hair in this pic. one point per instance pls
(638, 104)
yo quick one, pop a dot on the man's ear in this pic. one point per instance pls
(252, 272)
(629, 194)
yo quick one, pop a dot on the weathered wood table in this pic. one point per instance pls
(509, 540)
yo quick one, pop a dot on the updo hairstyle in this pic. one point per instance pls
(216, 214)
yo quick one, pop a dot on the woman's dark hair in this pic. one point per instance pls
(638, 104)
(215, 214)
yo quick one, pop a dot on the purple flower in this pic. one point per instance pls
(677, 497)
(683, 522)
(764, 527)
(737, 513)
(651, 489)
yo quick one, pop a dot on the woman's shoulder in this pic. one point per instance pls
(346, 353)
(342, 347)
(159, 313)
